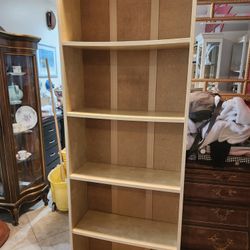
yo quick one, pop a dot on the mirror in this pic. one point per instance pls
(221, 50)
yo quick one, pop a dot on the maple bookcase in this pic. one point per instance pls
(127, 72)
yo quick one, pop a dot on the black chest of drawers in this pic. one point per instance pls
(50, 141)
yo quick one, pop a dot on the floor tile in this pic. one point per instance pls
(57, 242)
(21, 237)
(46, 223)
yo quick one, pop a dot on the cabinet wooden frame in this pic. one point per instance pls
(117, 80)
(14, 195)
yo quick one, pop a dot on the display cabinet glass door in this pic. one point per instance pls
(23, 105)
(2, 191)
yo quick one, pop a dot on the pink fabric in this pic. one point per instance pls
(219, 10)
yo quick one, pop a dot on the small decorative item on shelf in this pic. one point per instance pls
(15, 94)
(18, 128)
(26, 116)
(17, 69)
(23, 155)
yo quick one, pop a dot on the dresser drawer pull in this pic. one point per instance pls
(51, 130)
(221, 193)
(222, 214)
(218, 245)
(226, 178)
(52, 155)
(51, 142)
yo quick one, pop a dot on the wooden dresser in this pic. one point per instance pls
(216, 208)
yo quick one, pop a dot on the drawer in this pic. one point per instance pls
(203, 238)
(215, 215)
(49, 129)
(51, 155)
(218, 177)
(50, 141)
(219, 193)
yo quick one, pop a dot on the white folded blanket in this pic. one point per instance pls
(226, 131)
(235, 110)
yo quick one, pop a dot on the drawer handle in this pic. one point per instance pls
(222, 214)
(51, 142)
(222, 177)
(52, 155)
(221, 193)
(51, 130)
(218, 245)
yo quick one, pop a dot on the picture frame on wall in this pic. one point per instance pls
(49, 52)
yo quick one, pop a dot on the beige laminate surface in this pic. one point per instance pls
(158, 180)
(128, 230)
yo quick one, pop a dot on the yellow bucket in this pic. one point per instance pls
(58, 190)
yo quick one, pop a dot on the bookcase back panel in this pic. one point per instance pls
(165, 207)
(96, 72)
(132, 143)
(133, 202)
(74, 85)
(133, 77)
(171, 80)
(95, 20)
(133, 19)
(100, 197)
(84, 243)
(70, 18)
(98, 139)
(130, 202)
(168, 146)
(175, 18)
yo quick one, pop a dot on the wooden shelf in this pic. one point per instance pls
(170, 117)
(127, 45)
(142, 178)
(127, 230)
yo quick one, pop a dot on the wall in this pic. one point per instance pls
(28, 17)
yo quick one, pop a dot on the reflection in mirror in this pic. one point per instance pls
(221, 49)
(219, 115)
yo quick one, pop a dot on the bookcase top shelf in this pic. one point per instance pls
(134, 177)
(127, 230)
(129, 45)
(142, 116)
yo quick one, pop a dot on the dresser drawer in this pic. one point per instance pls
(51, 155)
(215, 215)
(203, 238)
(50, 141)
(49, 129)
(218, 177)
(219, 193)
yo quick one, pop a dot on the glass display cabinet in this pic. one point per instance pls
(22, 172)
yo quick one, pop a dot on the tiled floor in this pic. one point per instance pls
(39, 229)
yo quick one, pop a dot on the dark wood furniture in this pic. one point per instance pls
(50, 141)
(216, 208)
(22, 178)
